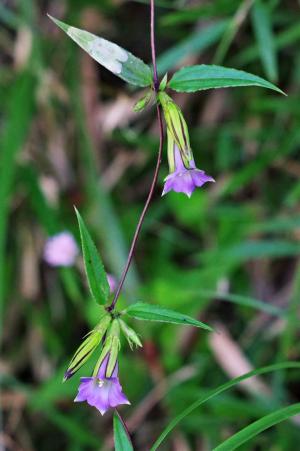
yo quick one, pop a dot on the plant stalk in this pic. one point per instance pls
(158, 162)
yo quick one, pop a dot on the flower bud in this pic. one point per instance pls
(88, 346)
(141, 104)
(130, 334)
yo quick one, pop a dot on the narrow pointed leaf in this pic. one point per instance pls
(245, 434)
(265, 40)
(148, 312)
(203, 76)
(217, 391)
(95, 272)
(121, 437)
(114, 58)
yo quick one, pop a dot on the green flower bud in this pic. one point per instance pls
(88, 346)
(130, 334)
(143, 102)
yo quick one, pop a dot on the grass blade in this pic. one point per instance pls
(258, 426)
(217, 391)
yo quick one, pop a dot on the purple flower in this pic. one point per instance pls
(61, 250)
(100, 391)
(183, 179)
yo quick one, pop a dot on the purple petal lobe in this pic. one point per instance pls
(185, 181)
(102, 370)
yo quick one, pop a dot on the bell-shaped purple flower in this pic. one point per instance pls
(101, 391)
(183, 179)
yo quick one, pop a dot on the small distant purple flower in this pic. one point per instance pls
(102, 392)
(184, 180)
(112, 282)
(61, 250)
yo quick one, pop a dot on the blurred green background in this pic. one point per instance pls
(229, 255)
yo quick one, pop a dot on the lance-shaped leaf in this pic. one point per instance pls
(203, 76)
(114, 58)
(94, 268)
(121, 436)
(217, 391)
(148, 312)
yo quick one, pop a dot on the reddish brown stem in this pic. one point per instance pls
(155, 176)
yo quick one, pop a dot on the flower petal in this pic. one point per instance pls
(116, 395)
(199, 177)
(102, 370)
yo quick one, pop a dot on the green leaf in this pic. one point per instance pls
(203, 76)
(148, 312)
(114, 58)
(264, 35)
(222, 388)
(258, 426)
(95, 272)
(121, 437)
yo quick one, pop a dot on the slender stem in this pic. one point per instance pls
(155, 175)
(152, 39)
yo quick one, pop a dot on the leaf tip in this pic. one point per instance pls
(59, 23)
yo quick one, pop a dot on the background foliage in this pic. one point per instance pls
(229, 255)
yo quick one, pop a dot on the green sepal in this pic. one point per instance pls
(130, 334)
(88, 346)
(177, 126)
(170, 151)
(113, 356)
(111, 348)
(163, 83)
